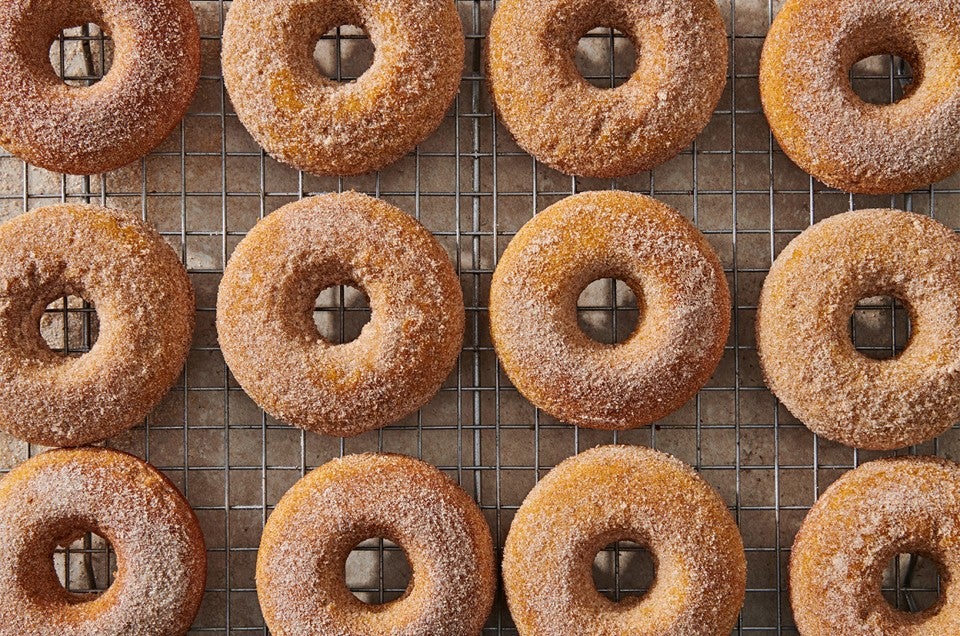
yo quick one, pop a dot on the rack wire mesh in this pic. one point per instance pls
(209, 183)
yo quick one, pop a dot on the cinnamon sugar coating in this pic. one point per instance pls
(681, 291)
(265, 320)
(863, 520)
(86, 130)
(322, 126)
(576, 128)
(145, 305)
(612, 493)
(827, 129)
(160, 554)
(300, 565)
(803, 332)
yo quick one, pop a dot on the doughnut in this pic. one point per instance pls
(681, 291)
(827, 129)
(266, 300)
(863, 520)
(579, 129)
(803, 332)
(160, 555)
(326, 127)
(303, 552)
(613, 493)
(145, 305)
(85, 130)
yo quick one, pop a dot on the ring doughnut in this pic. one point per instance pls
(680, 288)
(266, 299)
(160, 555)
(613, 493)
(300, 565)
(863, 520)
(145, 305)
(576, 128)
(803, 333)
(827, 129)
(85, 130)
(325, 127)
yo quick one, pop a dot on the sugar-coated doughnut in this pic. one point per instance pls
(836, 136)
(266, 300)
(160, 554)
(681, 291)
(319, 125)
(803, 332)
(576, 128)
(613, 493)
(145, 305)
(863, 520)
(300, 565)
(84, 130)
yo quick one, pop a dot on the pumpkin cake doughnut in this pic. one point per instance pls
(613, 493)
(325, 127)
(803, 332)
(265, 314)
(160, 555)
(85, 130)
(864, 519)
(145, 305)
(827, 129)
(577, 128)
(306, 541)
(681, 291)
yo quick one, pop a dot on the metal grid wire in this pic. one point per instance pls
(209, 183)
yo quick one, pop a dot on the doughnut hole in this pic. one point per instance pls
(340, 312)
(70, 325)
(624, 569)
(82, 55)
(344, 53)
(911, 583)
(881, 79)
(85, 564)
(377, 571)
(606, 57)
(880, 327)
(608, 310)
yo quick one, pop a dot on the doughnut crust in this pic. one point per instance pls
(613, 493)
(161, 559)
(265, 314)
(325, 127)
(86, 130)
(576, 128)
(864, 519)
(681, 291)
(803, 333)
(300, 565)
(827, 129)
(145, 305)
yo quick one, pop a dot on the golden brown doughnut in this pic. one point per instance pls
(681, 291)
(145, 305)
(161, 559)
(300, 565)
(322, 126)
(83, 130)
(803, 332)
(576, 128)
(613, 493)
(827, 129)
(265, 322)
(862, 521)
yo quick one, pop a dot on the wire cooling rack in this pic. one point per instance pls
(209, 183)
